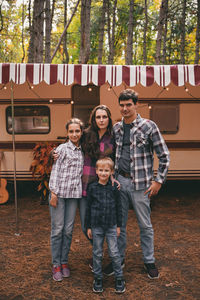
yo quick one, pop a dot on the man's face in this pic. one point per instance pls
(128, 110)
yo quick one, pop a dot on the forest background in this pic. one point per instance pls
(100, 32)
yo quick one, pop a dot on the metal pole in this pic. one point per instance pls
(14, 160)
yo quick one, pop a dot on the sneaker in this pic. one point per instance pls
(120, 285)
(97, 285)
(57, 274)
(65, 270)
(152, 271)
(109, 268)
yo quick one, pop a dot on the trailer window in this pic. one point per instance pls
(166, 116)
(28, 119)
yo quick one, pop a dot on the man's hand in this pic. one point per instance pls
(54, 200)
(118, 231)
(89, 233)
(153, 189)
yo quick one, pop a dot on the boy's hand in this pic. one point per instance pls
(89, 233)
(54, 200)
(118, 231)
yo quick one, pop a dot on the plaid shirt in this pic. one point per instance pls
(65, 179)
(145, 138)
(103, 206)
(106, 144)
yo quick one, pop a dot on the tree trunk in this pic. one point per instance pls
(48, 26)
(129, 46)
(160, 32)
(85, 31)
(108, 28)
(165, 33)
(145, 34)
(112, 36)
(66, 54)
(197, 34)
(1, 18)
(37, 33)
(23, 49)
(183, 33)
(31, 42)
(101, 32)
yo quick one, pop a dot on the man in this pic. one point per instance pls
(136, 140)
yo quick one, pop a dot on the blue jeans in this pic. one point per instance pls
(99, 234)
(141, 206)
(62, 223)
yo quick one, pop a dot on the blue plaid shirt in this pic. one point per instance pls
(145, 138)
(103, 206)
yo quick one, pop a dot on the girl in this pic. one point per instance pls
(65, 191)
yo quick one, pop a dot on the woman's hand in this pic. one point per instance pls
(113, 180)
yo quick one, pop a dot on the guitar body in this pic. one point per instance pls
(3, 192)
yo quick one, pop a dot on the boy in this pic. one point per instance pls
(103, 219)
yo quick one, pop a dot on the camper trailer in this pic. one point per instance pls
(44, 97)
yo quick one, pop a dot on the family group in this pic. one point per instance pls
(101, 170)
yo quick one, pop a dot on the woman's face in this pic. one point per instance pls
(74, 133)
(101, 118)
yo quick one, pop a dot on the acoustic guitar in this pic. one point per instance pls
(3, 192)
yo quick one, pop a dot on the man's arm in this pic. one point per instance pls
(162, 152)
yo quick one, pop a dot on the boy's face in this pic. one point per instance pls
(103, 171)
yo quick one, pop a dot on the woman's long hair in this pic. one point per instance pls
(91, 137)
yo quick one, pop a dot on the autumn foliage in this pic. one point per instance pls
(41, 166)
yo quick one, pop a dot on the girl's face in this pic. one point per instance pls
(101, 118)
(74, 133)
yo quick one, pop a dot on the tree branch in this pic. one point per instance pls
(64, 31)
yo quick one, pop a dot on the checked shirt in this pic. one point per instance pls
(106, 145)
(145, 138)
(65, 179)
(103, 206)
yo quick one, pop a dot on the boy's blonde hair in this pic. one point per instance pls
(105, 161)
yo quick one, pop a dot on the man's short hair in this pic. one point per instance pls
(127, 95)
(105, 161)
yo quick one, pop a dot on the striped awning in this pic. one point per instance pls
(131, 75)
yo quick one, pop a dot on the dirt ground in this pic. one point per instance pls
(25, 259)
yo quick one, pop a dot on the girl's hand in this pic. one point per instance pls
(54, 200)
(89, 233)
(118, 231)
(55, 155)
